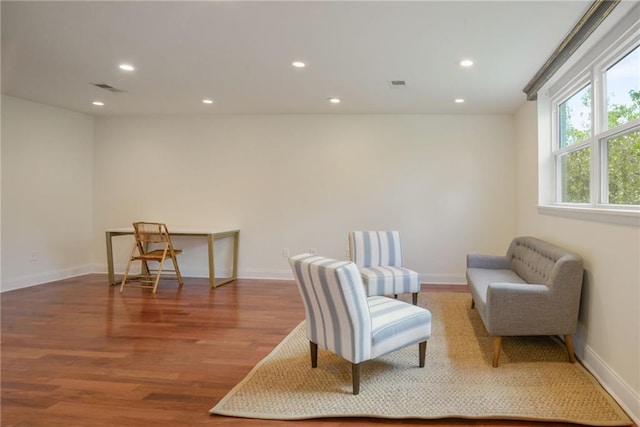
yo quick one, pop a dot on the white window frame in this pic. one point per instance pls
(590, 69)
(576, 85)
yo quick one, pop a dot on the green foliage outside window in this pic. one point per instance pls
(575, 175)
(575, 118)
(624, 155)
(575, 165)
(623, 158)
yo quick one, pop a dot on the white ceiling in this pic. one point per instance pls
(240, 53)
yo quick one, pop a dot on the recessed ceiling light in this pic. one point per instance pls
(98, 103)
(207, 101)
(127, 67)
(459, 100)
(466, 63)
(298, 64)
(334, 100)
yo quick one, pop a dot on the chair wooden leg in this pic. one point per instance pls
(161, 264)
(144, 269)
(415, 298)
(126, 273)
(126, 270)
(568, 341)
(423, 352)
(313, 351)
(355, 373)
(176, 268)
(155, 284)
(497, 344)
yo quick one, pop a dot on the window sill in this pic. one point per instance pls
(612, 216)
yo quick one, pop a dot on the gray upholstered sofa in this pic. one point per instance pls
(533, 290)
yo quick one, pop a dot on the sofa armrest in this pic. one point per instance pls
(524, 309)
(493, 262)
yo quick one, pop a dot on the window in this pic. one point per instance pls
(574, 126)
(575, 118)
(596, 137)
(623, 169)
(623, 90)
(574, 173)
(622, 150)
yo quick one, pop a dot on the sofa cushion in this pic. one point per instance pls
(479, 280)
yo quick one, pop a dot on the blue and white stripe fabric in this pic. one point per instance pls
(396, 324)
(375, 248)
(378, 254)
(342, 319)
(337, 315)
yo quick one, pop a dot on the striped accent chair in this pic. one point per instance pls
(378, 255)
(342, 319)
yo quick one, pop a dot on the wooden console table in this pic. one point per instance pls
(211, 236)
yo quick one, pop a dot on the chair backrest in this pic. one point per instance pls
(151, 232)
(336, 306)
(375, 248)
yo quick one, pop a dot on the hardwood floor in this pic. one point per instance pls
(78, 353)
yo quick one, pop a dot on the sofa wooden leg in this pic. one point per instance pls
(355, 374)
(497, 344)
(313, 350)
(422, 352)
(473, 303)
(415, 298)
(569, 343)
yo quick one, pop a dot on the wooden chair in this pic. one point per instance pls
(152, 243)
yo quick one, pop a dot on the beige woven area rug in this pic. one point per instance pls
(533, 382)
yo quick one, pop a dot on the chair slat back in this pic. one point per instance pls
(151, 232)
(375, 248)
(337, 312)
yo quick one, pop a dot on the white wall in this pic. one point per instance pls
(304, 181)
(47, 190)
(608, 338)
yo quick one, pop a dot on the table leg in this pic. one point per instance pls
(212, 267)
(236, 238)
(110, 259)
(234, 273)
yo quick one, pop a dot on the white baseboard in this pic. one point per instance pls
(40, 278)
(436, 279)
(275, 274)
(185, 271)
(282, 274)
(443, 279)
(622, 393)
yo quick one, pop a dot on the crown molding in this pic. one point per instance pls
(592, 18)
